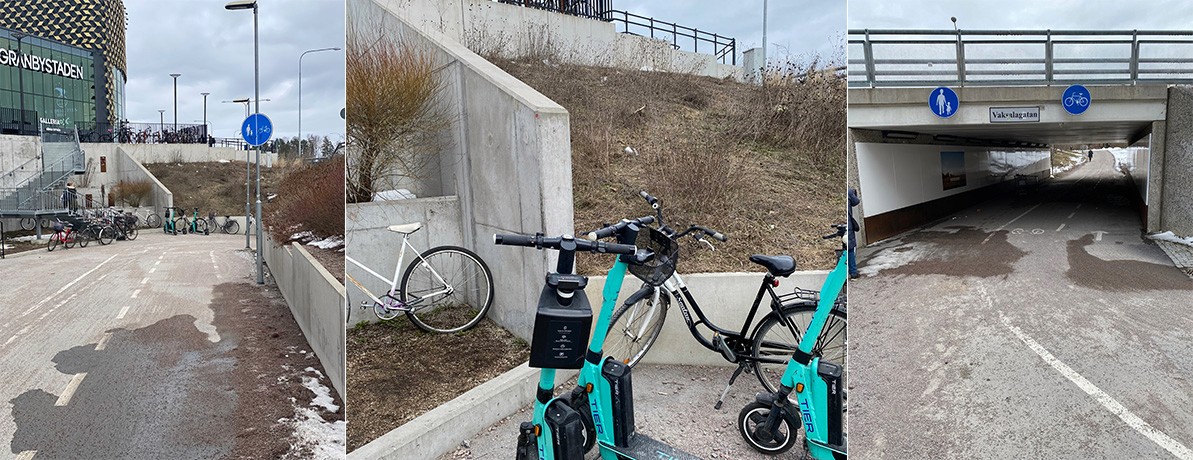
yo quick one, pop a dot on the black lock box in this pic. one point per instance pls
(561, 324)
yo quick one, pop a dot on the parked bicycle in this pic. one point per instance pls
(29, 223)
(192, 224)
(229, 225)
(762, 350)
(64, 234)
(445, 289)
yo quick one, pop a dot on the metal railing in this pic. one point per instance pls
(10, 122)
(723, 48)
(143, 133)
(1018, 57)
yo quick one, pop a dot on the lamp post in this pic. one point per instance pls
(175, 75)
(161, 120)
(205, 132)
(304, 53)
(21, 76)
(245, 5)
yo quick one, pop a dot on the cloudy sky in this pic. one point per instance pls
(1021, 14)
(800, 28)
(213, 50)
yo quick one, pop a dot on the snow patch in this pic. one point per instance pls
(328, 243)
(314, 437)
(390, 195)
(1171, 237)
(225, 161)
(889, 258)
(322, 393)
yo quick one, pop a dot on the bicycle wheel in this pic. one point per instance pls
(634, 328)
(53, 243)
(153, 220)
(84, 237)
(753, 416)
(231, 227)
(130, 232)
(181, 225)
(774, 342)
(28, 223)
(70, 241)
(448, 288)
(107, 235)
(201, 226)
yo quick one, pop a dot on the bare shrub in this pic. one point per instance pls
(311, 198)
(132, 193)
(394, 121)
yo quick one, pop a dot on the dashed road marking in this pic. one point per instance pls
(66, 286)
(159, 262)
(26, 455)
(154, 269)
(1159, 437)
(103, 341)
(138, 291)
(123, 311)
(70, 389)
(144, 280)
(999, 229)
(1062, 226)
(10, 340)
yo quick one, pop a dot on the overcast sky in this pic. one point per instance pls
(1021, 14)
(213, 50)
(800, 28)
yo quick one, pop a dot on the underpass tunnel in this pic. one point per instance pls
(911, 177)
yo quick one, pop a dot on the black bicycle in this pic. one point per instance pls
(763, 350)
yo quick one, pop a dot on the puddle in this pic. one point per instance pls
(960, 252)
(1120, 275)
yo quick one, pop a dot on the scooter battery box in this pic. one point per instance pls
(621, 390)
(831, 374)
(560, 331)
(567, 430)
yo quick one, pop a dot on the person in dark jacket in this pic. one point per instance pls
(853, 229)
(70, 196)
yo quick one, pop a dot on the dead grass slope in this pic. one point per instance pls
(766, 167)
(213, 186)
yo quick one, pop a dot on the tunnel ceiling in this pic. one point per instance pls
(1043, 133)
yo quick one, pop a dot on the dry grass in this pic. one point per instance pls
(774, 193)
(213, 186)
(132, 193)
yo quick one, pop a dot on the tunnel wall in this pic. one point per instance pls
(1176, 194)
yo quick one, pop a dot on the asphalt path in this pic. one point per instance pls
(1036, 325)
(111, 352)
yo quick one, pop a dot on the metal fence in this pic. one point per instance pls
(143, 133)
(723, 48)
(1018, 57)
(11, 122)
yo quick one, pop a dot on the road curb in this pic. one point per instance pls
(441, 430)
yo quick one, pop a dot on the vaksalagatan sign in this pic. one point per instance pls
(1014, 114)
(35, 63)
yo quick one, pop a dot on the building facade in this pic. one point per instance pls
(69, 57)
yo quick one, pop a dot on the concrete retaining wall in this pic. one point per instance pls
(121, 166)
(1177, 191)
(16, 151)
(316, 300)
(185, 153)
(369, 242)
(512, 31)
(509, 160)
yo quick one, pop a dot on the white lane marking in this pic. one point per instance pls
(159, 258)
(26, 455)
(1098, 235)
(123, 311)
(69, 391)
(1159, 437)
(999, 229)
(1062, 226)
(151, 270)
(1071, 214)
(10, 340)
(103, 341)
(138, 291)
(159, 262)
(144, 280)
(67, 286)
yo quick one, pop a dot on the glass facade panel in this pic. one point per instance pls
(58, 79)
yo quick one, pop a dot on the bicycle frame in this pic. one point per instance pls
(393, 283)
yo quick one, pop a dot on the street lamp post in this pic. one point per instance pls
(244, 5)
(161, 122)
(206, 134)
(175, 75)
(304, 53)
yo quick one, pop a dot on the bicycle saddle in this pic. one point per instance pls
(405, 228)
(776, 265)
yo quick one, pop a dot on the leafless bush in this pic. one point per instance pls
(394, 120)
(131, 193)
(311, 199)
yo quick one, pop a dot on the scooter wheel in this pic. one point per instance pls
(751, 423)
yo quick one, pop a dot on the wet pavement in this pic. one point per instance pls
(1038, 325)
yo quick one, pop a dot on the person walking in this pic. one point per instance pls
(70, 197)
(853, 229)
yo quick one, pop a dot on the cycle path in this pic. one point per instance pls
(116, 351)
(1040, 326)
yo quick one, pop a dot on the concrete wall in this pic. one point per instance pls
(1177, 198)
(186, 153)
(15, 152)
(316, 300)
(1155, 177)
(369, 243)
(725, 298)
(489, 27)
(900, 175)
(122, 166)
(509, 160)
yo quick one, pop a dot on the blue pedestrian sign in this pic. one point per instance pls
(1076, 99)
(256, 129)
(943, 102)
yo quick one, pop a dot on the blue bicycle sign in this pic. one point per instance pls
(1076, 99)
(256, 129)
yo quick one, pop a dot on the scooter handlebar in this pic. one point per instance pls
(539, 241)
(613, 229)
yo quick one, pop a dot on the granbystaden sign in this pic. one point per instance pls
(12, 58)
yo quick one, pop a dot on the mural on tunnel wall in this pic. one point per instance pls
(952, 169)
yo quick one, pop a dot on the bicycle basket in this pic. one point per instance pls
(666, 254)
(59, 226)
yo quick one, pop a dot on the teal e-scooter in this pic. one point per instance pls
(599, 411)
(771, 422)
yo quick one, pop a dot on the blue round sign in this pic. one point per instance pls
(1076, 99)
(943, 102)
(256, 129)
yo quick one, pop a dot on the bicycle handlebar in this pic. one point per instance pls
(651, 200)
(839, 233)
(539, 241)
(613, 229)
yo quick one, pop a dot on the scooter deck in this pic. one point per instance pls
(643, 447)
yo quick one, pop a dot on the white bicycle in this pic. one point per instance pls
(445, 289)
